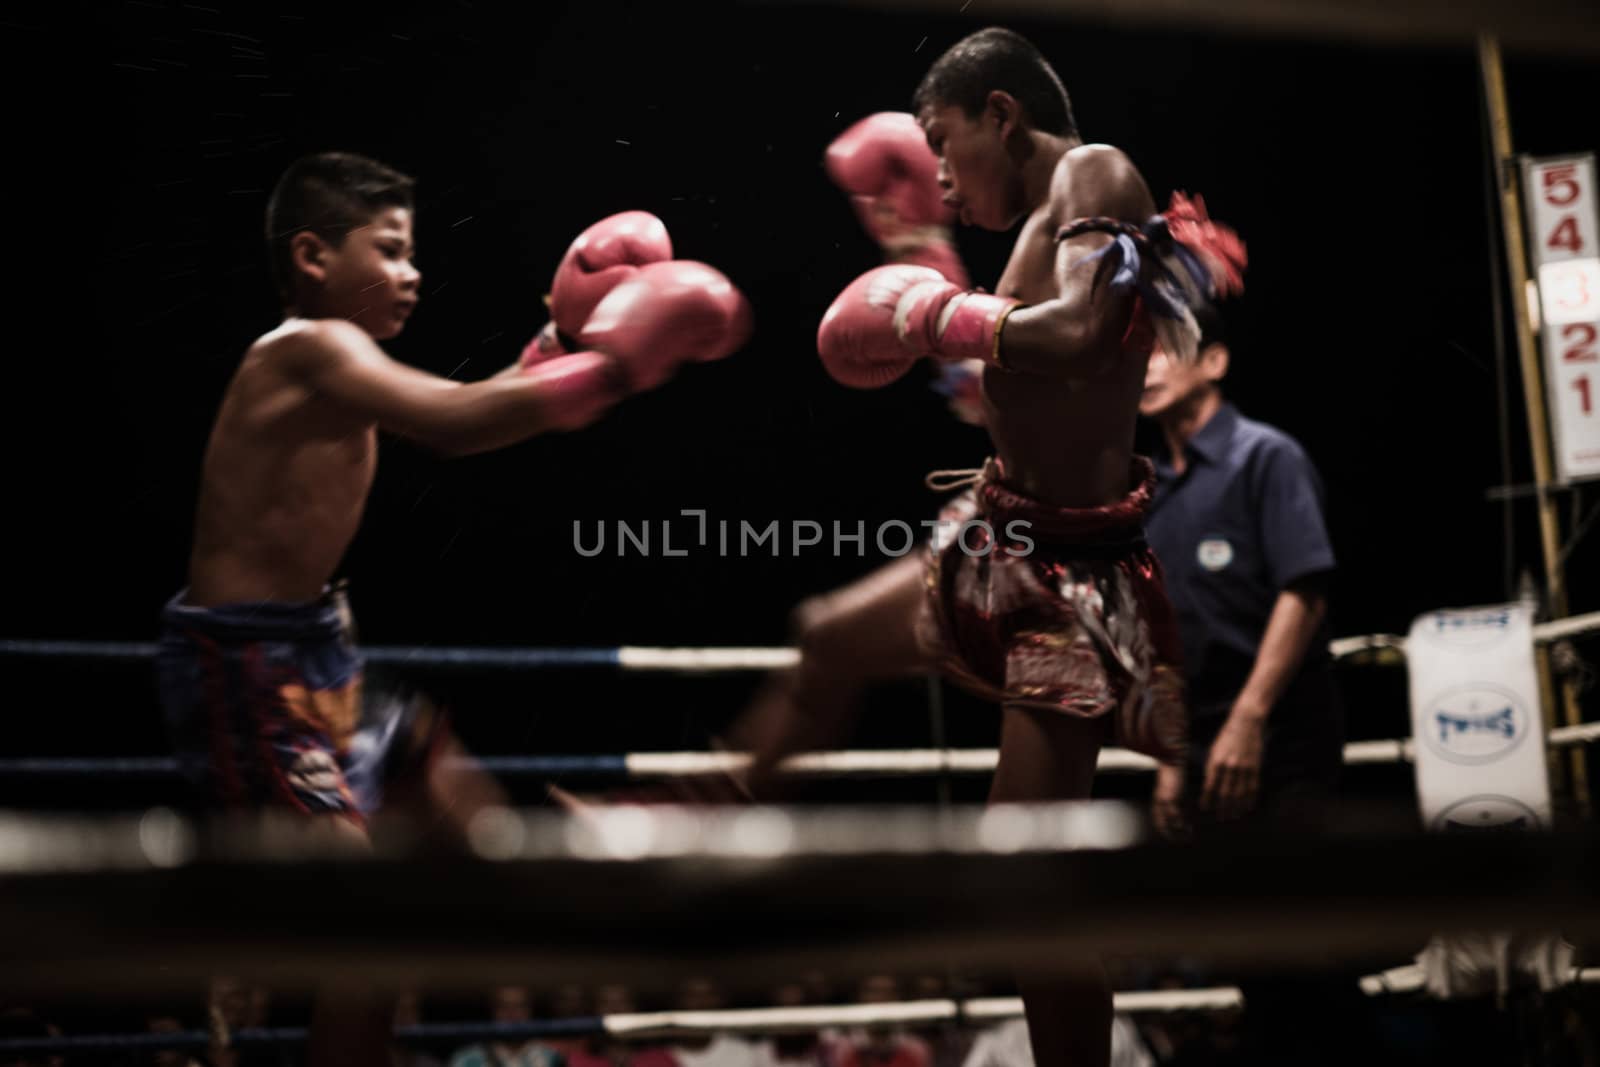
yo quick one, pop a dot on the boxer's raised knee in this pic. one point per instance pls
(823, 632)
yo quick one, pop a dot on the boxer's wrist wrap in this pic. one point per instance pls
(972, 325)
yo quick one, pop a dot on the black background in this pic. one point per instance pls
(143, 142)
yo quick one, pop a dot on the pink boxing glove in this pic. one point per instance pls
(884, 163)
(890, 317)
(668, 314)
(602, 257)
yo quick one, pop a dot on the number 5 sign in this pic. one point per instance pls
(1564, 238)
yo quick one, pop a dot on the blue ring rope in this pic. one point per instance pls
(607, 765)
(418, 656)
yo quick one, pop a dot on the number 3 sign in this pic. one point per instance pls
(1564, 238)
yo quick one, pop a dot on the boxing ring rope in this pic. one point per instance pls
(859, 763)
(663, 1026)
(930, 761)
(639, 765)
(908, 762)
(1411, 978)
(658, 1026)
(690, 660)
(655, 894)
(649, 658)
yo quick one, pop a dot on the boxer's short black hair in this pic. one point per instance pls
(330, 194)
(992, 59)
(1213, 330)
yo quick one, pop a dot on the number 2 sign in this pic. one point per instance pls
(1562, 238)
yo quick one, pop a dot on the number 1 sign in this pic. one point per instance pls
(1564, 237)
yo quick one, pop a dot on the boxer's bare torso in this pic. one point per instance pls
(283, 484)
(1068, 439)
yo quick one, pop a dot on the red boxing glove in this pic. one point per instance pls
(668, 314)
(603, 257)
(884, 163)
(890, 317)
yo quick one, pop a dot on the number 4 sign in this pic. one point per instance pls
(1564, 238)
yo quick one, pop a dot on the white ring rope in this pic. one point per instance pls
(848, 763)
(638, 658)
(1411, 978)
(920, 761)
(1544, 633)
(980, 1009)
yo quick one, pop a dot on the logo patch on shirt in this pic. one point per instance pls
(1214, 553)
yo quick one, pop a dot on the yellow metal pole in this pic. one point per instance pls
(1494, 90)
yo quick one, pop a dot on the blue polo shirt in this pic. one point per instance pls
(1240, 524)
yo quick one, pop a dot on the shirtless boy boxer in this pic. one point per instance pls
(1068, 627)
(259, 675)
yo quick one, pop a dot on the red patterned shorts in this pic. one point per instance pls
(1058, 608)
